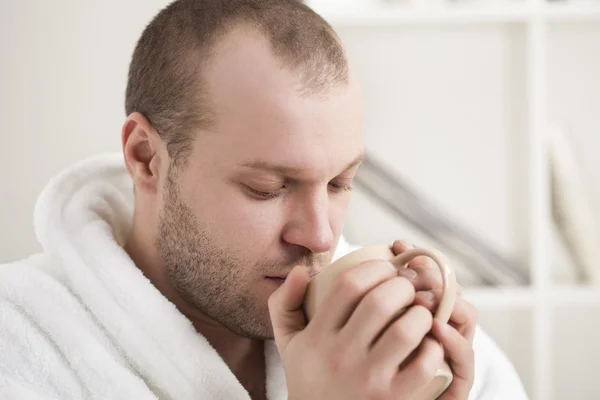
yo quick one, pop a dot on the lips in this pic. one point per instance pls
(311, 273)
(278, 281)
(277, 278)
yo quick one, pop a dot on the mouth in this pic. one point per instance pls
(276, 279)
(312, 273)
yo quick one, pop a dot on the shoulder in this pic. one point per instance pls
(36, 289)
(30, 361)
(51, 343)
(47, 335)
(33, 282)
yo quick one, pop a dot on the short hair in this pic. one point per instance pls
(164, 75)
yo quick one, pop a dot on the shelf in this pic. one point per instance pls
(518, 297)
(401, 14)
(573, 11)
(575, 295)
(499, 297)
(392, 14)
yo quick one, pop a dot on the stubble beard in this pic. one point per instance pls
(204, 275)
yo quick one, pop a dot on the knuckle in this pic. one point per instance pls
(343, 359)
(378, 304)
(410, 331)
(353, 282)
(431, 360)
(405, 286)
(375, 385)
(383, 266)
(423, 315)
(338, 362)
(402, 333)
(350, 283)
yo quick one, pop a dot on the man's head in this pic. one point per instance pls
(243, 136)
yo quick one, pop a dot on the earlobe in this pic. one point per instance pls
(140, 144)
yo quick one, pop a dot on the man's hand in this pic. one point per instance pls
(354, 345)
(457, 336)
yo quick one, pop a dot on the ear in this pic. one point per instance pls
(142, 150)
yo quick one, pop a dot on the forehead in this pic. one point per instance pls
(263, 113)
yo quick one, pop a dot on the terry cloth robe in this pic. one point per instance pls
(80, 321)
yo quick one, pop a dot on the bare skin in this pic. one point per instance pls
(264, 192)
(212, 229)
(358, 345)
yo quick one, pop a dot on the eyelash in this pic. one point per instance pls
(346, 188)
(273, 195)
(264, 195)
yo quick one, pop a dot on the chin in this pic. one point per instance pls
(253, 322)
(258, 331)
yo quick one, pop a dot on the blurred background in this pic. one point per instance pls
(482, 126)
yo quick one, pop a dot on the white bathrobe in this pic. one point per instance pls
(80, 321)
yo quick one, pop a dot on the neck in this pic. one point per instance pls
(244, 356)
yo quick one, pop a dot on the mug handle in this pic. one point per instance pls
(448, 298)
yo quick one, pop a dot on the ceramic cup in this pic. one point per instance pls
(321, 283)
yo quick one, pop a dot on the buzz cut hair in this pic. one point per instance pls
(164, 80)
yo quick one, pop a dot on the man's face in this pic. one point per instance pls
(265, 191)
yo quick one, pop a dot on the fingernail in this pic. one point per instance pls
(427, 295)
(407, 273)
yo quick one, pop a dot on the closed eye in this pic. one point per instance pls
(264, 195)
(267, 195)
(340, 187)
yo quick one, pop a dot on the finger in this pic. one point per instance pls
(463, 317)
(430, 298)
(463, 313)
(421, 370)
(401, 338)
(347, 291)
(429, 275)
(287, 316)
(377, 310)
(421, 270)
(459, 354)
(400, 246)
(422, 279)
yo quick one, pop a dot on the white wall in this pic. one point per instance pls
(63, 72)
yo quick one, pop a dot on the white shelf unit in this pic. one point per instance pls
(352, 14)
(531, 323)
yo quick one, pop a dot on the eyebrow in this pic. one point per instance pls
(287, 170)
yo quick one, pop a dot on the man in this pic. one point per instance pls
(177, 269)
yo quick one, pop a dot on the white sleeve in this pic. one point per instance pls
(495, 376)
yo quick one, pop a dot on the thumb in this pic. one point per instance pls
(285, 307)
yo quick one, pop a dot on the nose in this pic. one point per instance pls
(309, 225)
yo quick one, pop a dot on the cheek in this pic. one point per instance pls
(254, 224)
(241, 225)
